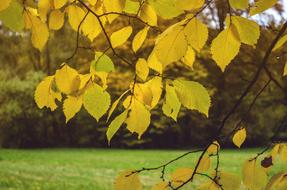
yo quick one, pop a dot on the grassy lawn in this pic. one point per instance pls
(73, 169)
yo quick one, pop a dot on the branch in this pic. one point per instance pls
(268, 72)
(78, 36)
(163, 166)
(255, 78)
(249, 109)
(105, 32)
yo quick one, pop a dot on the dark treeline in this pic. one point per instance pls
(23, 125)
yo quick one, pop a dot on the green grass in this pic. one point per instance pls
(81, 169)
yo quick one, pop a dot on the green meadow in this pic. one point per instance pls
(80, 169)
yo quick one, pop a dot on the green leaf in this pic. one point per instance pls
(116, 124)
(102, 63)
(172, 104)
(96, 101)
(192, 95)
(12, 17)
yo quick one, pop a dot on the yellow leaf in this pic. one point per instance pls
(275, 181)
(116, 124)
(171, 45)
(180, 176)
(204, 164)
(254, 177)
(119, 37)
(59, 3)
(193, 95)
(40, 33)
(167, 9)
(115, 104)
(262, 5)
(225, 47)
(76, 15)
(134, 124)
(142, 69)
(248, 30)
(283, 184)
(91, 26)
(285, 70)
(239, 4)
(113, 6)
(210, 185)
(43, 7)
(12, 16)
(132, 7)
(154, 63)
(93, 2)
(189, 57)
(71, 106)
(280, 43)
(85, 80)
(96, 101)
(127, 102)
(196, 34)
(213, 148)
(67, 79)
(161, 186)
(139, 39)
(275, 151)
(128, 181)
(171, 105)
(148, 14)
(189, 4)
(56, 20)
(45, 96)
(283, 152)
(229, 181)
(155, 84)
(4, 4)
(239, 137)
(143, 93)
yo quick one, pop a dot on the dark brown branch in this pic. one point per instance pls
(268, 72)
(105, 32)
(240, 100)
(167, 163)
(78, 36)
(254, 80)
(238, 124)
